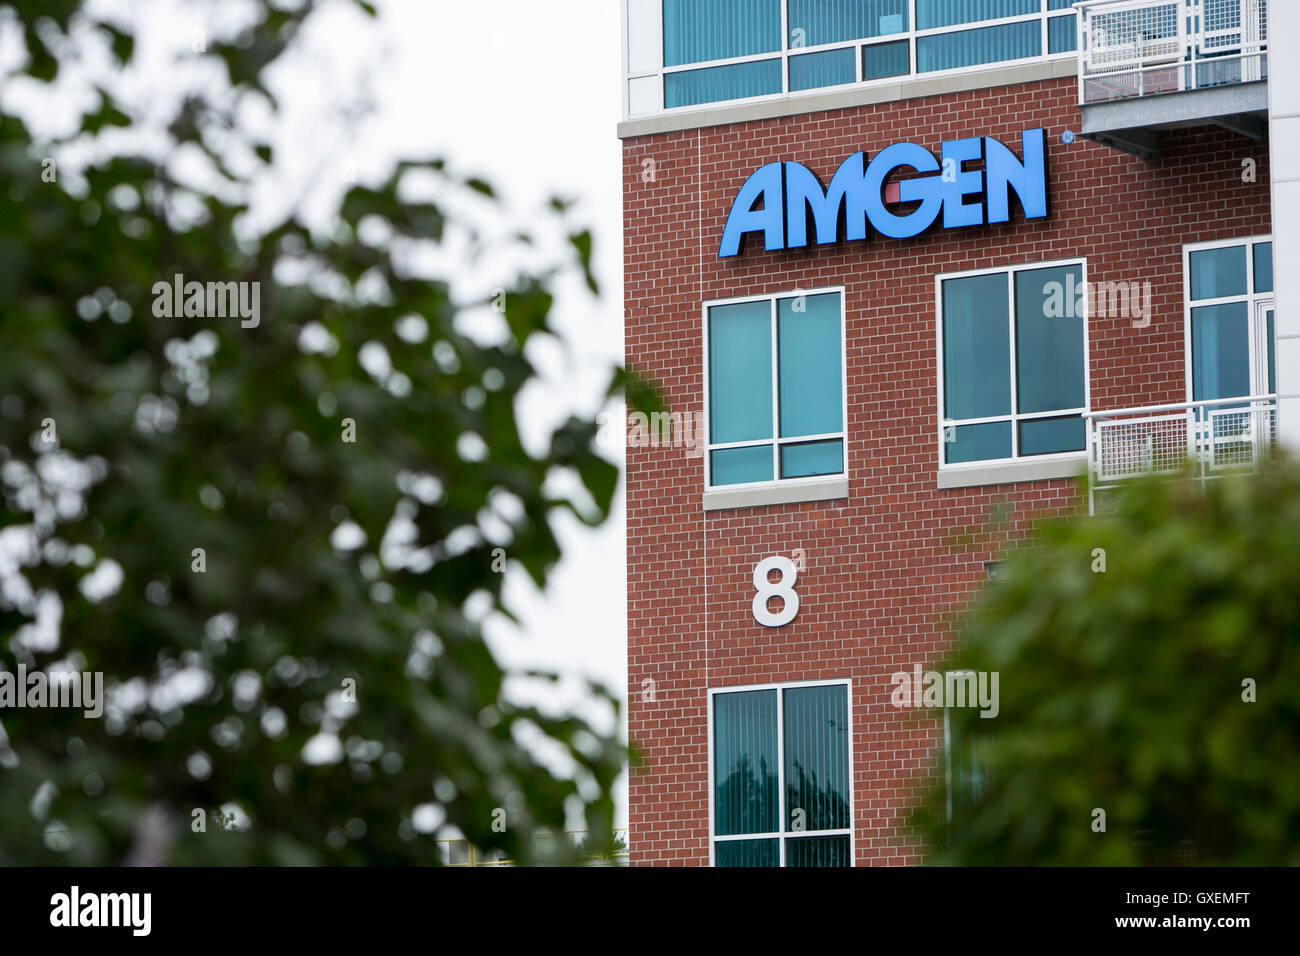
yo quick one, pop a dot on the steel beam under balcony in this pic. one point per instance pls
(1134, 124)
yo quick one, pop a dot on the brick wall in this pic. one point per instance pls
(885, 566)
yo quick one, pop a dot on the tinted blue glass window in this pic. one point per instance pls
(746, 853)
(951, 51)
(1049, 436)
(943, 13)
(818, 851)
(813, 22)
(717, 83)
(744, 763)
(809, 364)
(696, 31)
(740, 372)
(813, 458)
(963, 443)
(1049, 340)
(817, 757)
(812, 70)
(809, 396)
(976, 349)
(1218, 272)
(1263, 267)
(1220, 351)
(735, 466)
(1272, 358)
(1062, 34)
(886, 59)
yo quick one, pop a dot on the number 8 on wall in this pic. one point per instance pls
(782, 588)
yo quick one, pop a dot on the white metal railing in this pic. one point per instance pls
(1133, 48)
(1212, 438)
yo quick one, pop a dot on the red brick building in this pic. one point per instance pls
(959, 421)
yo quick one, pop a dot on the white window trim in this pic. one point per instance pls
(776, 441)
(1252, 299)
(1013, 417)
(782, 836)
(1043, 15)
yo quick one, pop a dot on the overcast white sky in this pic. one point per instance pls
(527, 93)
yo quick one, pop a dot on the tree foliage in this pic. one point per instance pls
(329, 602)
(1149, 662)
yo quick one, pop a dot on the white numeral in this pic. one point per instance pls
(784, 589)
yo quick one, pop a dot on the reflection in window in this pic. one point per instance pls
(792, 810)
(1014, 369)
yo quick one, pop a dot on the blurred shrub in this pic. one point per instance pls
(1127, 689)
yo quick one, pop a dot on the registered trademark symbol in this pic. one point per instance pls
(1067, 137)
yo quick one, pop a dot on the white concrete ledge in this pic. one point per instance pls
(904, 89)
(779, 494)
(1006, 473)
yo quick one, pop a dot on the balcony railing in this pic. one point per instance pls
(1131, 48)
(1213, 438)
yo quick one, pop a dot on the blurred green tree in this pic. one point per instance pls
(1149, 664)
(264, 533)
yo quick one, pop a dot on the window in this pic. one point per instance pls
(780, 789)
(714, 51)
(696, 31)
(1013, 368)
(966, 744)
(774, 389)
(1229, 319)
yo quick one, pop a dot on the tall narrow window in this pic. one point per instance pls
(782, 787)
(775, 389)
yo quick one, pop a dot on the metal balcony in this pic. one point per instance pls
(1152, 65)
(1207, 439)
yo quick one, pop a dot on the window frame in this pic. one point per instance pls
(782, 835)
(911, 35)
(1252, 299)
(1014, 417)
(776, 441)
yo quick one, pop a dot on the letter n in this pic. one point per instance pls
(1028, 177)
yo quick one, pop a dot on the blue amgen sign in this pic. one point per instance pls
(792, 197)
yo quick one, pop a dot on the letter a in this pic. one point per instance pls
(764, 184)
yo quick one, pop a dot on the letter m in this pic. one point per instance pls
(221, 305)
(1111, 300)
(119, 906)
(960, 688)
(847, 193)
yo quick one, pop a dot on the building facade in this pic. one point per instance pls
(902, 270)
